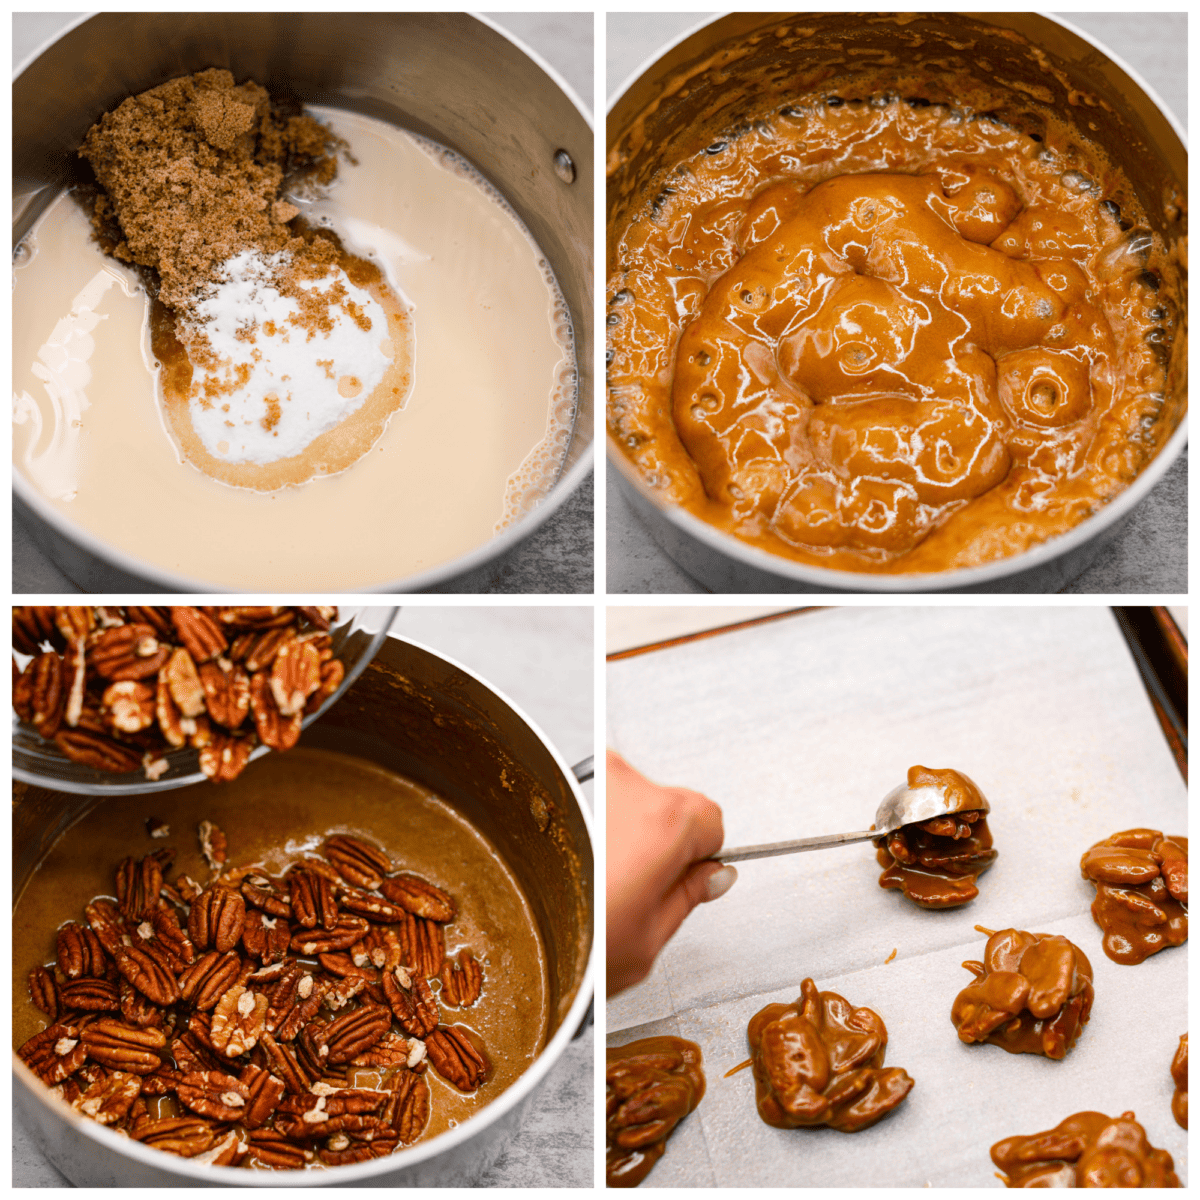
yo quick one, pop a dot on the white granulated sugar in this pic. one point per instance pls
(281, 388)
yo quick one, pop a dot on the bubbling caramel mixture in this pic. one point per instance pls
(885, 336)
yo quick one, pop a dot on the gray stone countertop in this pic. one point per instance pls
(559, 556)
(1149, 556)
(541, 658)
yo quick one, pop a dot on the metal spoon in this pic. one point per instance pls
(901, 806)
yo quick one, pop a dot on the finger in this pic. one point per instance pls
(700, 883)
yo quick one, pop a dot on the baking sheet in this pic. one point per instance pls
(800, 727)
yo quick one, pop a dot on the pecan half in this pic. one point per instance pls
(214, 845)
(185, 1136)
(313, 899)
(54, 1053)
(266, 938)
(136, 1009)
(213, 1094)
(273, 728)
(273, 1149)
(148, 976)
(356, 1031)
(284, 1063)
(40, 694)
(138, 886)
(129, 706)
(183, 684)
(256, 651)
(211, 977)
(344, 934)
(127, 652)
(109, 1099)
(32, 627)
(368, 904)
(79, 952)
(455, 1057)
(424, 945)
(157, 617)
(199, 633)
(391, 1051)
(123, 1047)
(226, 692)
(420, 897)
(265, 894)
(168, 931)
(109, 929)
(95, 750)
(265, 1090)
(43, 991)
(321, 616)
(217, 919)
(254, 616)
(238, 1021)
(226, 758)
(74, 621)
(332, 673)
(295, 675)
(357, 861)
(415, 1008)
(91, 995)
(407, 1108)
(462, 981)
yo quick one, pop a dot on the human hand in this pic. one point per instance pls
(658, 841)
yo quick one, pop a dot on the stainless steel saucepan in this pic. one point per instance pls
(433, 721)
(460, 80)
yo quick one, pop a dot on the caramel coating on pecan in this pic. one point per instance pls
(1032, 994)
(650, 1086)
(1140, 877)
(935, 863)
(1088, 1149)
(819, 1061)
(1179, 1075)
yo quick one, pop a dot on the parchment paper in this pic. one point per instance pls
(800, 727)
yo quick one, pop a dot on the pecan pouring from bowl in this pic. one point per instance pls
(1032, 994)
(118, 688)
(819, 1061)
(651, 1085)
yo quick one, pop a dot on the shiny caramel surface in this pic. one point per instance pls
(887, 336)
(650, 1086)
(281, 807)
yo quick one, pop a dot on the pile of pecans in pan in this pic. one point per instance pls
(118, 688)
(258, 1022)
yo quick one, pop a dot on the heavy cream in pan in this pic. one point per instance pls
(450, 415)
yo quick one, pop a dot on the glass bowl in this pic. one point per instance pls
(357, 636)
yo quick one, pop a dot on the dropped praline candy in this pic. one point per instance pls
(1141, 880)
(935, 863)
(1032, 994)
(820, 1062)
(651, 1085)
(1088, 1149)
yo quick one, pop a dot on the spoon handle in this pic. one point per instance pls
(741, 853)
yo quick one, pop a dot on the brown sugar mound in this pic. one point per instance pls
(192, 169)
